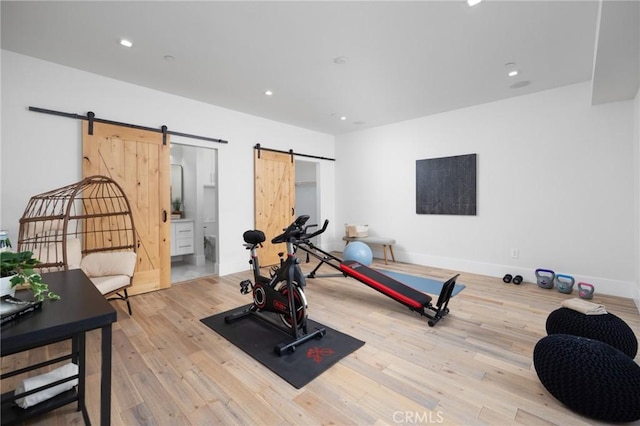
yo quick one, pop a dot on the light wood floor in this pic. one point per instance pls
(472, 368)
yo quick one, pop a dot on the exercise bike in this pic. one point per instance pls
(282, 292)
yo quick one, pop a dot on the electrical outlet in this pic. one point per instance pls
(515, 253)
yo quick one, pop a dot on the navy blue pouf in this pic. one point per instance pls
(590, 377)
(606, 328)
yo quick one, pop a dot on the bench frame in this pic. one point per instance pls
(413, 299)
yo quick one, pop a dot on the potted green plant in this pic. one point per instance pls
(17, 267)
(177, 203)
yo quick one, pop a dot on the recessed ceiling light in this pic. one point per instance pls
(343, 118)
(472, 3)
(268, 92)
(125, 43)
(340, 60)
(169, 58)
(512, 71)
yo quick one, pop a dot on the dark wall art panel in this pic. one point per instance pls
(446, 185)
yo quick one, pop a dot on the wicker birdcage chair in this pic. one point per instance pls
(65, 226)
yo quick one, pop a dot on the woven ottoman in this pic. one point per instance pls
(606, 328)
(590, 377)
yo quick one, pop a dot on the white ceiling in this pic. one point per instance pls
(404, 59)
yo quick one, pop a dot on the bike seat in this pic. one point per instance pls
(254, 237)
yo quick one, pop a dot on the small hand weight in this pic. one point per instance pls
(564, 283)
(585, 290)
(545, 278)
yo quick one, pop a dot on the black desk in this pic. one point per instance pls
(81, 308)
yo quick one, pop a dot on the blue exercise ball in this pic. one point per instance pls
(358, 252)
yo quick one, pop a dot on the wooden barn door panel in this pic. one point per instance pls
(139, 162)
(274, 202)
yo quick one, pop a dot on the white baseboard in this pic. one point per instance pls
(602, 285)
(627, 289)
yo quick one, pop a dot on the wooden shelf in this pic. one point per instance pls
(12, 414)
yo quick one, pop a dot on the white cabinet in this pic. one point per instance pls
(182, 238)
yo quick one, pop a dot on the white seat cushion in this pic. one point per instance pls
(52, 253)
(104, 264)
(111, 283)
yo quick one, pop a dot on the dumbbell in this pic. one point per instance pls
(545, 278)
(508, 278)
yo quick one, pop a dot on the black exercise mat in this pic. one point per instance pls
(258, 339)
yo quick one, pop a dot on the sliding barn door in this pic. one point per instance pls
(274, 199)
(138, 160)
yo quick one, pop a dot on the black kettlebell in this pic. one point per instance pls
(507, 278)
(517, 280)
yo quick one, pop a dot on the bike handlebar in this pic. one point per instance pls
(318, 232)
(297, 231)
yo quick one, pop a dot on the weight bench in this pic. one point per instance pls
(376, 241)
(413, 299)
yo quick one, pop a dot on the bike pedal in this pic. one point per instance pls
(244, 286)
(272, 271)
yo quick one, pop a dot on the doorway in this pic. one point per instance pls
(307, 191)
(194, 219)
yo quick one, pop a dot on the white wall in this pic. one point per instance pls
(555, 180)
(41, 152)
(636, 191)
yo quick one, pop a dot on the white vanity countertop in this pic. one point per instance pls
(181, 220)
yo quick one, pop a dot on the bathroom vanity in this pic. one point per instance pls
(182, 233)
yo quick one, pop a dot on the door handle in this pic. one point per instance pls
(293, 211)
(164, 216)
